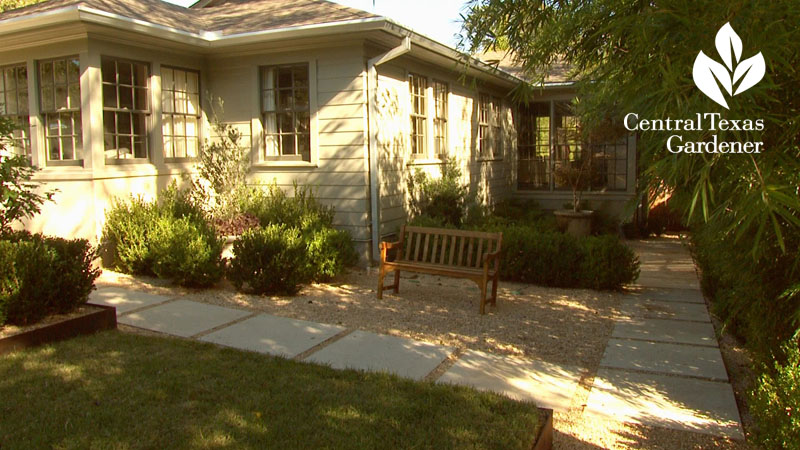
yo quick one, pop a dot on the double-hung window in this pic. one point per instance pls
(180, 118)
(14, 105)
(418, 91)
(60, 107)
(490, 127)
(285, 110)
(440, 94)
(126, 106)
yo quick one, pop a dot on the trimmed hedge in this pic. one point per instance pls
(269, 260)
(43, 275)
(171, 239)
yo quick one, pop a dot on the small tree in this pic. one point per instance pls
(223, 166)
(18, 199)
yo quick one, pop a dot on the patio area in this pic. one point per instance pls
(628, 369)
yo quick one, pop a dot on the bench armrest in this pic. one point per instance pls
(489, 257)
(386, 246)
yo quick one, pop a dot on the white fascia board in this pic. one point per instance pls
(53, 17)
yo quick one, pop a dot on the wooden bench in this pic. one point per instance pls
(454, 253)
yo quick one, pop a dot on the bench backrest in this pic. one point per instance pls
(446, 247)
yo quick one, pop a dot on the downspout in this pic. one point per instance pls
(372, 108)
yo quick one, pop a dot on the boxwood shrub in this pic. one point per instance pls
(43, 275)
(269, 260)
(171, 239)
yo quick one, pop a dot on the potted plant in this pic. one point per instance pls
(576, 174)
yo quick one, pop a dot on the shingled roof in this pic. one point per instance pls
(225, 16)
(506, 61)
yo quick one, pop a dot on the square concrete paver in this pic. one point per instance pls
(547, 385)
(661, 330)
(375, 352)
(639, 307)
(125, 300)
(278, 336)
(690, 360)
(182, 318)
(671, 295)
(672, 402)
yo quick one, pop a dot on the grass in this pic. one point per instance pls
(117, 390)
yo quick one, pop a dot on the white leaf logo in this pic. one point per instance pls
(709, 75)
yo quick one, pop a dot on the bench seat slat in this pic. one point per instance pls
(437, 269)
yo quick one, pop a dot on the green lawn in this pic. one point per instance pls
(117, 390)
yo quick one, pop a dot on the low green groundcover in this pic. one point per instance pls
(116, 390)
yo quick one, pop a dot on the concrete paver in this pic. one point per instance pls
(548, 385)
(662, 330)
(670, 295)
(279, 336)
(125, 300)
(374, 352)
(182, 317)
(672, 402)
(689, 360)
(654, 309)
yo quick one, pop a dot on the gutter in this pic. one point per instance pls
(372, 107)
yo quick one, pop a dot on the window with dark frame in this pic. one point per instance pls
(440, 95)
(60, 108)
(533, 146)
(14, 106)
(180, 118)
(497, 128)
(418, 88)
(285, 110)
(126, 106)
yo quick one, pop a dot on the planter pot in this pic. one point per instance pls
(544, 441)
(576, 223)
(100, 318)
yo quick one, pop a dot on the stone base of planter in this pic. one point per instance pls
(544, 441)
(576, 223)
(101, 318)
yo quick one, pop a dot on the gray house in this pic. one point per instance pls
(109, 96)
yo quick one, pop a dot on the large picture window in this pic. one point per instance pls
(60, 107)
(14, 105)
(418, 87)
(285, 109)
(126, 106)
(440, 94)
(550, 139)
(180, 118)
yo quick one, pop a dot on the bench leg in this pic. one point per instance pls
(484, 285)
(381, 276)
(396, 284)
(494, 291)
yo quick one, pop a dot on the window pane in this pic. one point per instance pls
(167, 101)
(109, 122)
(284, 78)
(66, 148)
(139, 121)
(191, 127)
(11, 103)
(55, 148)
(191, 148)
(285, 123)
(109, 96)
(192, 83)
(124, 73)
(285, 89)
(168, 148)
(268, 100)
(125, 97)
(60, 70)
(74, 96)
(74, 71)
(166, 126)
(194, 104)
(302, 125)
(179, 125)
(140, 75)
(124, 123)
(180, 147)
(61, 96)
(287, 144)
(141, 99)
(109, 70)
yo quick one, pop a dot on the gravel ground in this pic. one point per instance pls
(563, 326)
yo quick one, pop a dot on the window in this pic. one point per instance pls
(418, 87)
(180, 118)
(285, 112)
(533, 146)
(497, 128)
(440, 93)
(541, 158)
(126, 105)
(490, 130)
(14, 105)
(60, 99)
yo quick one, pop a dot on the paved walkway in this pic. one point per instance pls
(662, 365)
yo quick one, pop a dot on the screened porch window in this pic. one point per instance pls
(285, 110)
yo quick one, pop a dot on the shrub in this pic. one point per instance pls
(272, 207)
(171, 238)
(607, 263)
(329, 252)
(269, 260)
(186, 251)
(775, 401)
(44, 275)
(443, 198)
